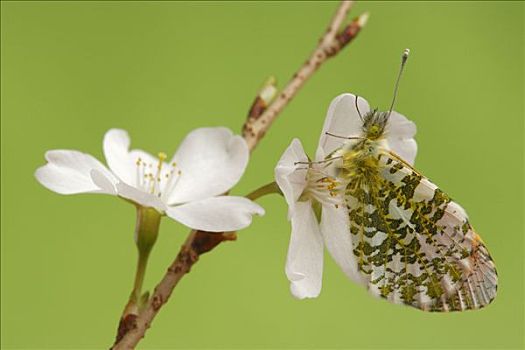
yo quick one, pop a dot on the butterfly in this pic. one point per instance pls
(411, 243)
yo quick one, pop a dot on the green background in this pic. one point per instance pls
(72, 70)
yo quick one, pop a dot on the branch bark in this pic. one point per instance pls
(332, 42)
(263, 112)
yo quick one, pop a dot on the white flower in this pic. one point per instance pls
(316, 206)
(187, 189)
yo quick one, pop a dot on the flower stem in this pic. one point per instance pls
(146, 232)
(139, 276)
(264, 190)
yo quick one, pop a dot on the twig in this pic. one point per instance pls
(262, 113)
(330, 44)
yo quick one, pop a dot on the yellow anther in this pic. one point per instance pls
(139, 161)
(162, 156)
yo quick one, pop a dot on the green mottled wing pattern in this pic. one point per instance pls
(413, 244)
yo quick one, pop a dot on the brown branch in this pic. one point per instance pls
(330, 45)
(263, 112)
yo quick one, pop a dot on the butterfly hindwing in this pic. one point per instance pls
(412, 243)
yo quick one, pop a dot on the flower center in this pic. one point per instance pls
(158, 180)
(322, 188)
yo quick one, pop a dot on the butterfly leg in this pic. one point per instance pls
(319, 161)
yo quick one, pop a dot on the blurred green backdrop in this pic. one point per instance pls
(72, 70)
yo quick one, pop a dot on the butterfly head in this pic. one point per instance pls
(374, 123)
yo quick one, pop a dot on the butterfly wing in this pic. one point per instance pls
(413, 244)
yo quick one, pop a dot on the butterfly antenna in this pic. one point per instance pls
(357, 107)
(404, 58)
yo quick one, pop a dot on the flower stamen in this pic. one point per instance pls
(322, 187)
(160, 182)
(170, 180)
(139, 173)
(155, 180)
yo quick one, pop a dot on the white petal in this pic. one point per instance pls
(116, 151)
(211, 160)
(400, 134)
(342, 119)
(290, 177)
(69, 172)
(140, 197)
(338, 240)
(216, 214)
(304, 263)
(103, 182)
